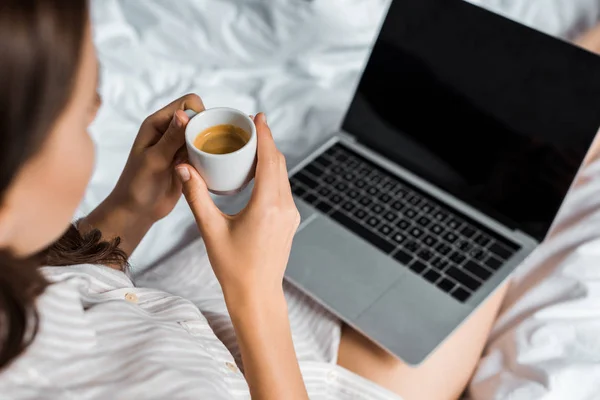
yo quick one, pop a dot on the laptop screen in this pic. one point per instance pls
(498, 114)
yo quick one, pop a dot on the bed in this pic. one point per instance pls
(299, 60)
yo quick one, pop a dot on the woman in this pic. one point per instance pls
(81, 329)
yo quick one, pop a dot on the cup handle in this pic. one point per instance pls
(190, 113)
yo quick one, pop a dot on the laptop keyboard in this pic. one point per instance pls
(446, 248)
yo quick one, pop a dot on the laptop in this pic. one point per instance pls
(462, 139)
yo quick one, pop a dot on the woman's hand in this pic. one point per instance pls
(248, 251)
(148, 188)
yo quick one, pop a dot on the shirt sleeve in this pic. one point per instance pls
(546, 343)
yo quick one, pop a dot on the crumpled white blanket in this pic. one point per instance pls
(299, 61)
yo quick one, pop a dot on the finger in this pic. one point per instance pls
(206, 213)
(285, 189)
(267, 177)
(181, 156)
(174, 137)
(156, 124)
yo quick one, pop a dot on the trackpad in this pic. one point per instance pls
(342, 271)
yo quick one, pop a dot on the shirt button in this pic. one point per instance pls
(131, 297)
(331, 375)
(231, 366)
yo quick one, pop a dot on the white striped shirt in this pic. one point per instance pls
(102, 337)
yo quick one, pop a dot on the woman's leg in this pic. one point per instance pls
(444, 375)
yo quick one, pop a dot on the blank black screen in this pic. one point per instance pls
(496, 113)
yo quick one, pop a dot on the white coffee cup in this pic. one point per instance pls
(223, 173)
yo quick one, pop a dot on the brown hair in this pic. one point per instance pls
(40, 48)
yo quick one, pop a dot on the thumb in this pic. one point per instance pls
(206, 213)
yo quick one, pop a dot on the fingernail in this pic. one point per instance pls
(177, 121)
(264, 117)
(183, 173)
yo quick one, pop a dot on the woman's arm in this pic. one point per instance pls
(147, 189)
(248, 253)
(263, 333)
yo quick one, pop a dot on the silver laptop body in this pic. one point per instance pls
(407, 295)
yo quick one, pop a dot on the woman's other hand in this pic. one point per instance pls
(148, 188)
(248, 251)
(148, 185)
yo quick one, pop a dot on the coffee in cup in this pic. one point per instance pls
(221, 139)
(221, 145)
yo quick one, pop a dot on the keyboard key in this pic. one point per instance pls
(403, 257)
(365, 201)
(377, 209)
(360, 184)
(314, 170)
(401, 192)
(460, 294)
(423, 221)
(430, 241)
(373, 191)
(463, 278)
(306, 180)
(414, 200)
(463, 245)
(324, 207)
(385, 229)
(437, 229)
(364, 233)
(352, 193)
(349, 176)
(335, 198)
(439, 264)
(341, 186)
(398, 206)
(452, 224)
(403, 224)
(482, 240)
(375, 179)
(416, 232)
(338, 169)
(446, 285)
(443, 249)
(425, 208)
(390, 216)
(388, 186)
(329, 179)
(360, 214)
(476, 253)
(385, 198)
(310, 198)
(501, 251)
(450, 237)
(432, 276)
(372, 221)
(323, 191)
(299, 191)
(493, 263)
(398, 237)
(363, 171)
(425, 254)
(324, 161)
(440, 216)
(477, 270)
(352, 163)
(457, 257)
(341, 157)
(412, 246)
(348, 206)
(410, 213)
(417, 266)
(467, 231)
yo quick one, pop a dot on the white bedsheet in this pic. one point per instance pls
(299, 60)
